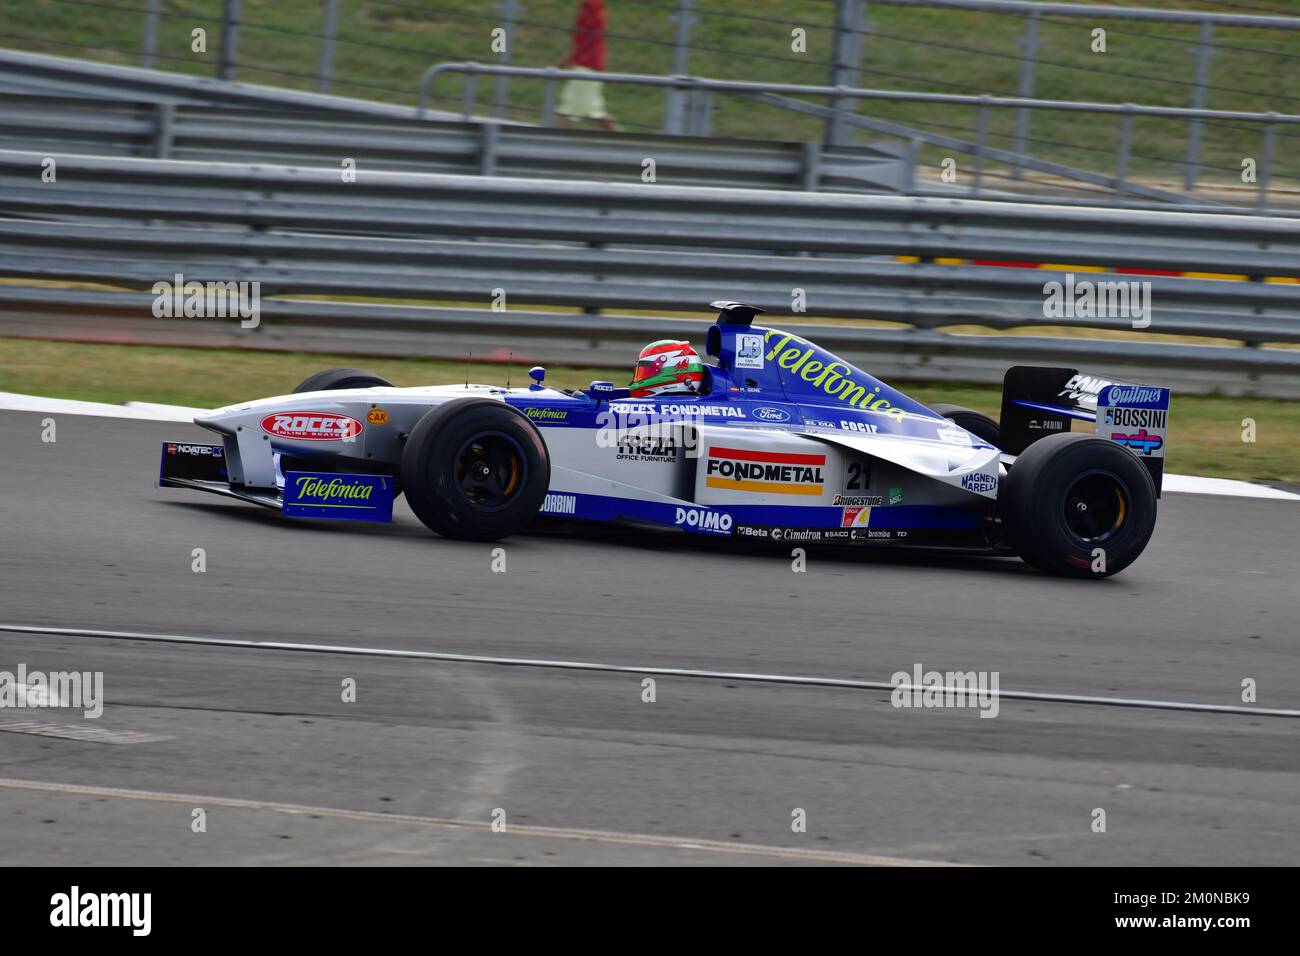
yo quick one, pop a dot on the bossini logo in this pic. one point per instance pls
(74, 909)
(36, 689)
(208, 300)
(923, 688)
(1086, 299)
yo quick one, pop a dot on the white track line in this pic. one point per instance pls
(788, 679)
(149, 411)
(516, 830)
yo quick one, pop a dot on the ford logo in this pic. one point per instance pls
(769, 414)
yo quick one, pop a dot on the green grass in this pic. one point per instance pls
(1205, 432)
(384, 46)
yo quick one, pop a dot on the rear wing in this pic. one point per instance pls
(1037, 402)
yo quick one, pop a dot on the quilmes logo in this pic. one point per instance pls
(718, 522)
(765, 413)
(312, 489)
(76, 908)
(1135, 395)
(833, 378)
(764, 472)
(311, 426)
(979, 482)
(208, 300)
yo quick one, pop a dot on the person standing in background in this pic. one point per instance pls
(585, 99)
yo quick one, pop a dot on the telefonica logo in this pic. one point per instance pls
(833, 378)
(312, 487)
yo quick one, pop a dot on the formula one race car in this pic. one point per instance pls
(779, 441)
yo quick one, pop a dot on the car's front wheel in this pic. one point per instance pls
(475, 469)
(1078, 505)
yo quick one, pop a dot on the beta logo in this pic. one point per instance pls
(311, 426)
(979, 482)
(719, 522)
(377, 416)
(765, 413)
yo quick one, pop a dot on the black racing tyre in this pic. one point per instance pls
(333, 378)
(1070, 494)
(475, 469)
(977, 423)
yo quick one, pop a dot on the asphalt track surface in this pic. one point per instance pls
(584, 770)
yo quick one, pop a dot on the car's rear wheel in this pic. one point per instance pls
(977, 423)
(1078, 505)
(336, 378)
(475, 469)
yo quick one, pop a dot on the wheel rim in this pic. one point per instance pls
(1096, 506)
(490, 470)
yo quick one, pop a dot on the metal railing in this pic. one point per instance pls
(306, 138)
(413, 238)
(781, 94)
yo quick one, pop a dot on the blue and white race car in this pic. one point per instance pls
(777, 441)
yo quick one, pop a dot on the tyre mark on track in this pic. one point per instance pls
(842, 683)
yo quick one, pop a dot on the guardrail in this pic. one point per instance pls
(305, 138)
(783, 95)
(586, 246)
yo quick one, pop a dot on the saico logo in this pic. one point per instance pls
(765, 472)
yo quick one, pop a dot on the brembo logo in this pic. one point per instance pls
(311, 426)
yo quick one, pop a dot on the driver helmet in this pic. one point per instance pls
(667, 367)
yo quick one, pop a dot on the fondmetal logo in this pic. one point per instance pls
(311, 426)
(765, 472)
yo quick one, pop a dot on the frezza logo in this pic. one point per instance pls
(834, 378)
(311, 426)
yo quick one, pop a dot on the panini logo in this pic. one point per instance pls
(762, 472)
(311, 426)
(560, 505)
